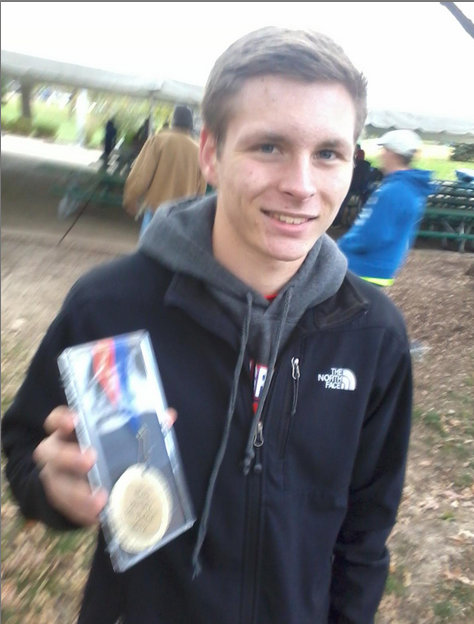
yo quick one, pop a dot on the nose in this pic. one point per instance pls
(298, 178)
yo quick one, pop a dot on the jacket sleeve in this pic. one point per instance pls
(361, 558)
(141, 175)
(22, 427)
(374, 227)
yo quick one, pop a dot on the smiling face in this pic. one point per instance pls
(281, 174)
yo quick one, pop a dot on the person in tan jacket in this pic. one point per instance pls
(166, 168)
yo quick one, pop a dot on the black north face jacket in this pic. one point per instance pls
(301, 538)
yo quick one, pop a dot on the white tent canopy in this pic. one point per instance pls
(429, 126)
(33, 69)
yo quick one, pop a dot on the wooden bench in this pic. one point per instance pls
(449, 214)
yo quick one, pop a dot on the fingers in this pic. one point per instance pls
(64, 454)
(61, 419)
(64, 467)
(72, 496)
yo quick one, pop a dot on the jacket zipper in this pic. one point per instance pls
(258, 443)
(253, 529)
(258, 437)
(295, 375)
(248, 613)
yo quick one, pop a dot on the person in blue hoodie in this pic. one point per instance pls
(377, 244)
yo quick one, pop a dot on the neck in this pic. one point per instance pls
(264, 280)
(394, 169)
(261, 274)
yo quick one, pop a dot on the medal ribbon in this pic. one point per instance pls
(110, 367)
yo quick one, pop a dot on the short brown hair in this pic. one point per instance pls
(299, 54)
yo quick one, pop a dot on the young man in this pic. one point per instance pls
(166, 168)
(377, 244)
(290, 376)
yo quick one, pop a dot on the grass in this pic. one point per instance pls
(443, 169)
(434, 421)
(395, 584)
(456, 601)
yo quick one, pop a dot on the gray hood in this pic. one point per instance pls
(180, 237)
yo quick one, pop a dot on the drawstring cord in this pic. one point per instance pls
(250, 450)
(225, 437)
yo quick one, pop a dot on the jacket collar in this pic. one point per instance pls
(191, 295)
(346, 303)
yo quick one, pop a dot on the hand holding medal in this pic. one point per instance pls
(139, 505)
(115, 387)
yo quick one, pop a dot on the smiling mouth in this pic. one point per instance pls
(284, 218)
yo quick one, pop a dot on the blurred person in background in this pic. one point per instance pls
(377, 244)
(166, 168)
(110, 139)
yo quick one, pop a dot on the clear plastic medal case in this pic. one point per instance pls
(115, 387)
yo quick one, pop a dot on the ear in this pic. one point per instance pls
(208, 157)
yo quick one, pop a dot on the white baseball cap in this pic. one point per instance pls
(403, 142)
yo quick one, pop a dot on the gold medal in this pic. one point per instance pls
(139, 508)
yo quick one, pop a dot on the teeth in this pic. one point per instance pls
(291, 220)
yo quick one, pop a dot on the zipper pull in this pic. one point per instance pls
(258, 442)
(258, 437)
(295, 373)
(295, 368)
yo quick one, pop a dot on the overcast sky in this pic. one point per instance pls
(416, 56)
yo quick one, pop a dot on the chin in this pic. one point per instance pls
(291, 255)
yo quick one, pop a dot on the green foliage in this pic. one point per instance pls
(20, 125)
(434, 420)
(49, 114)
(11, 110)
(456, 601)
(94, 132)
(463, 151)
(395, 584)
(53, 121)
(67, 132)
(5, 82)
(45, 129)
(442, 169)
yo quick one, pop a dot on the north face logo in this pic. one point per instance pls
(338, 379)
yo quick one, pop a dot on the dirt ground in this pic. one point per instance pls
(432, 545)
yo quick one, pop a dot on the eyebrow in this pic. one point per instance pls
(336, 144)
(261, 136)
(274, 137)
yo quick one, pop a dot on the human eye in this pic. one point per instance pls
(326, 154)
(267, 148)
